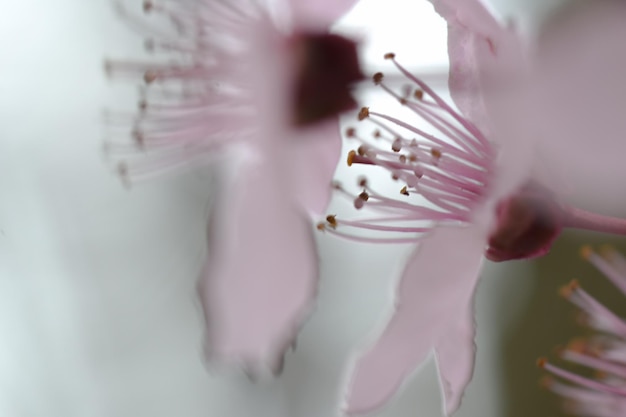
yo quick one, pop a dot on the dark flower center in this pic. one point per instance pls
(327, 67)
(527, 224)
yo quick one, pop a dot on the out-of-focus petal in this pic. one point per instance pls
(577, 100)
(314, 154)
(320, 12)
(471, 14)
(485, 57)
(455, 353)
(440, 277)
(261, 273)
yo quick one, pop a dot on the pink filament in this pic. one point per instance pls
(452, 175)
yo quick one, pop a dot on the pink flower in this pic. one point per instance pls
(257, 90)
(491, 181)
(605, 394)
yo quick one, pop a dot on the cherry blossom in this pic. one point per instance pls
(499, 180)
(256, 89)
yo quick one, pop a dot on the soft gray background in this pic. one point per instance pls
(98, 315)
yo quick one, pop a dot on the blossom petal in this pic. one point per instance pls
(323, 12)
(260, 277)
(314, 155)
(488, 69)
(440, 277)
(484, 56)
(576, 106)
(455, 353)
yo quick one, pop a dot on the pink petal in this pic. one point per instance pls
(261, 274)
(324, 12)
(440, 277)
(484, 57)
(577, 103)
(487, 72)
(455, 353)
(313, 156)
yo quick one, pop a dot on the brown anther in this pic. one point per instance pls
(395, 177)
(566, 291)
(364, 196)
(418, 94)
(404, 191)
(147, 6)
(412, 157)
(586, 251)
(364, 113)
(396, 146)
(351, 156)
(542, 362)
(402, 101)
(332, 220)
(402, 159)
(336, 185)
(362, 182)
(435, 153)
(362, 150)
(378, 78)
(350, 132)
(413, 143)
(376, 134)
(390, 55)
(149, 76)
(321, 226)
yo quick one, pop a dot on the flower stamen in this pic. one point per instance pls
(579, 380)
(444, 177)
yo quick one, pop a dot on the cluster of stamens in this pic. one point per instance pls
(188, 106)
(443, 176)
(604, 395)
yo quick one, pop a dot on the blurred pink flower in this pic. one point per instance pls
(494, 182)
(258, 91)
(603, 395)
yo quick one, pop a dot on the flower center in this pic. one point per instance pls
(326, 67)
(206, 97)
(527, 223)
